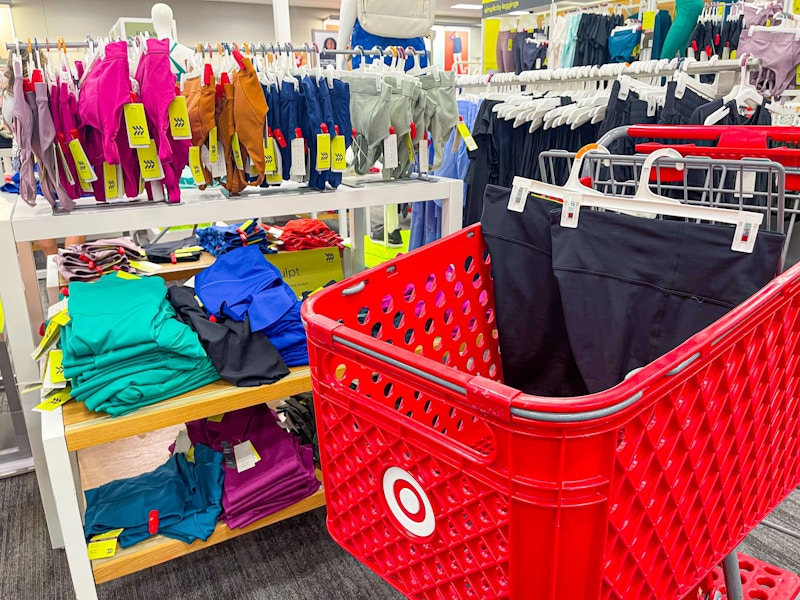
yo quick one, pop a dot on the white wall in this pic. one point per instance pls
(196, 21)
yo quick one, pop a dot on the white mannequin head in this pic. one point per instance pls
(162, 20)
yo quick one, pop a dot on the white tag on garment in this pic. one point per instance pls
(424, 156)
(519, 194)
(245, 455)
(570, 212)
(390, 152)
(744, 238)
(182, 443)
(52, 311)
(298, 159)
(217, 168)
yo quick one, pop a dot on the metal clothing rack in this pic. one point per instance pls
(641, 69)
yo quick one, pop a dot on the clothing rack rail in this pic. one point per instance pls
(641, 69)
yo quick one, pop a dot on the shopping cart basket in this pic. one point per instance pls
(450, 484)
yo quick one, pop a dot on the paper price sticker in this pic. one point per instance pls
(103, 545)
(110, 181)
(85, 172)
(298, 159)
(270, 162)
(196, 165)
(424, 156)
(213, 151)
(136, 125)
(149, 163)
(179, 119)
(54, 400)
(464, 131)
(323, 152)
(390, 160)
(338, 154)
(237, 152)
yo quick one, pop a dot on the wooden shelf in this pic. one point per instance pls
(83, 428)
(160, 549)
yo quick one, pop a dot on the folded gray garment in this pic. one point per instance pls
(87, 262)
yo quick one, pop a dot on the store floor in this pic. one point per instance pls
(292, 560)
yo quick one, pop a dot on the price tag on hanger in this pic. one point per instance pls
(136, 125)
(270, 162)
(390, 160)
(298, 156)
(196, 165)
(85, 171)
(111, 181)
(56, 367)
(64, 164)
(276, 178)
(466, 135)
(213, 151)
(519, 194)
(324, 150)
(237, 152)
(338, 154)
(149, 163)
(179, 119)
(424, 155)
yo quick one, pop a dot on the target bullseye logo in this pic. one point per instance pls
(408, 502)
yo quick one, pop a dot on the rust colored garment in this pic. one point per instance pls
(200, 101)
(234, 181)
(250, 116)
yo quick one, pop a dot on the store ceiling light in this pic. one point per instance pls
(468, 6)
(517, 13)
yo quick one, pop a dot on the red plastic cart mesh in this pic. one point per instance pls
(450, 484)
(760, 581)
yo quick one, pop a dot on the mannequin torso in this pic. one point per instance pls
(181, 57)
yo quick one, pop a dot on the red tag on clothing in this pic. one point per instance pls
(278, 135)
(694, 45)
(152, 522)
(413, 127)
(172, 258)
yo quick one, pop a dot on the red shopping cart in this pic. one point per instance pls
(450, 484)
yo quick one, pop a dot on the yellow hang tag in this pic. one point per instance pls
(649, 20)
(188, 250)
(216, 418)
(252, 169)
(54, 360)
(323, 152)
(410, 148)
(136, 125)
(54, 400)
(126, 275)
(213, 153)
(271, 164)
(149, 163)
(256, 455)
(85, 171)
(51, 334)
(190, 454)
(274, 178)
(196, 166)
(110, 181)
(511, 44)
(61, 318)
(64, 164)
(179, 119)
(145, 266)
(338, 154)
(237, 152)
(103, 545)
(467, 136)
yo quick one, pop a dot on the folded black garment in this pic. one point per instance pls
(241, 357)
(165, 252)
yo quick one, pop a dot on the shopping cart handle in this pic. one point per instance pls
(736, 136)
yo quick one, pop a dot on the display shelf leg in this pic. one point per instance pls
(733, 578)
(453, 208)
(62, 478)
(358, 229)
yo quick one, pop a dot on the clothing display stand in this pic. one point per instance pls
(57, 436)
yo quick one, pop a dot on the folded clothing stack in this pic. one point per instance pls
(220, 239)
(303, 234)
(186, 495)
(184, 250)
(87, 262)
(124, 348)
(243, 284)
(240, 356)
(283, 476)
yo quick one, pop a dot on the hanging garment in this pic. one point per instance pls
(250, 116)
(283, 476)
(534, 347)
(633, 289)
(241, 357)
(186, 495)
(23, 134)
(243, 283)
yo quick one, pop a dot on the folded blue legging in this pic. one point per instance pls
(187, 496)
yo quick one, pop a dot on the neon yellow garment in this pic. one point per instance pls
(124, 347)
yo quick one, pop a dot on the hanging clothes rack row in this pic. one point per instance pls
(653, 68)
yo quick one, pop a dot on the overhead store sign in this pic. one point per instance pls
(498, 8)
